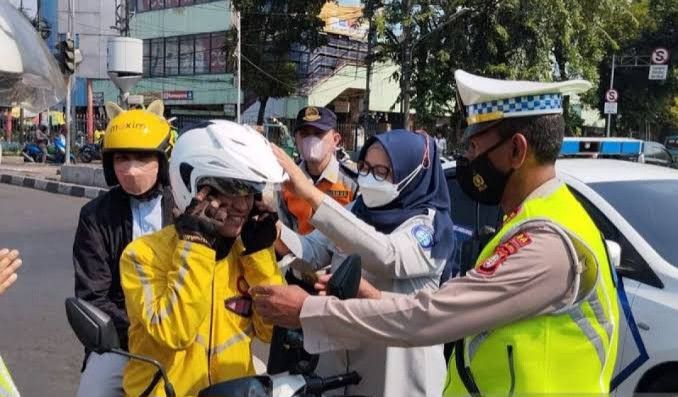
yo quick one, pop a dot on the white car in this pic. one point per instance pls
(635, 206)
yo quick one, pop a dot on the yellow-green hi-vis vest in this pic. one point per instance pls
(570, 352)
(7, 388)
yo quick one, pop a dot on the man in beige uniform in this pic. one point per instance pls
(537, 274)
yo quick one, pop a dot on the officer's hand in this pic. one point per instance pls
(278, 304)
(9, 263)
(201, 220)
(365, 290)
(260, 231)
(299, 182)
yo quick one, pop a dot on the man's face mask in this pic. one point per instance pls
(480, 179)
(315, 148)
(136, 175)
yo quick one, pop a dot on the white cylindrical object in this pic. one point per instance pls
(125, 55)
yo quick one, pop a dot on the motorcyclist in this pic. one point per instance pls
(41, 139)
(135, 161)
(186, 287)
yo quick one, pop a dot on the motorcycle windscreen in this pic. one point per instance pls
(253, 386)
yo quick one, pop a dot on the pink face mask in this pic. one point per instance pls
(136, 177)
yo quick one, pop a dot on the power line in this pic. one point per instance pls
(266, 73)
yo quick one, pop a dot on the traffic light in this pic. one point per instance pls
(66, 56)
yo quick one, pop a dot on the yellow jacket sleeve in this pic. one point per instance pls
(261, 268)
(170, 300)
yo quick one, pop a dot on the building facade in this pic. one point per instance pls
(187, 58)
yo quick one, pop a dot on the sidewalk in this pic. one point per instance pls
(47, 177)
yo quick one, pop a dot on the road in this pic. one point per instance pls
(35, 339)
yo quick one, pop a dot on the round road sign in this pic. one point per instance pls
(611, 95)
(660, 56)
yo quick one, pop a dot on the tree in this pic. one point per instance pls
(270, 30)
(644, 102)
(547, 40)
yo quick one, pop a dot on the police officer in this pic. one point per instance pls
(317, 139)
(538, 314)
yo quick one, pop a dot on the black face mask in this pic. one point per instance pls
(480, 179)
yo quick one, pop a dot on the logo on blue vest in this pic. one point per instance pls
(424, 236)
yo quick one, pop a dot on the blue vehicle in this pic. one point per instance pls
(33, 154)
(618, 148)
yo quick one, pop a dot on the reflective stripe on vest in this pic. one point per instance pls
(569, 351)
(7, 387)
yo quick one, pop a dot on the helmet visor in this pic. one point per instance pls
(231, 187)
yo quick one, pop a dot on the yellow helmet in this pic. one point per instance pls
(137, 131)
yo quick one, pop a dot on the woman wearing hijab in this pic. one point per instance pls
(400, 226)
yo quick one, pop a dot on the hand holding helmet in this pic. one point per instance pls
(200, 221)
(260, 231)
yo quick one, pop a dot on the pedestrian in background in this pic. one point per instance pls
(441, 142)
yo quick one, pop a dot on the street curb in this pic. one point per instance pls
(52, 186)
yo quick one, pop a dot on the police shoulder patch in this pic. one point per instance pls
(424, 235)
(502, 252)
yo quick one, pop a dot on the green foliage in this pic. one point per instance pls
(643, 101)
(270, 29)
(547, 40)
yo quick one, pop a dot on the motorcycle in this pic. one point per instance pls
(96, 331)
(89, 152)
(33, 154)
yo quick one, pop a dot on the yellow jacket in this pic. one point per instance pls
(183, 311)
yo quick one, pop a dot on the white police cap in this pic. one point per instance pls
(488, 101)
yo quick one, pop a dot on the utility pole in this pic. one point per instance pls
(238, 16)
(609, 115)
(126, 23)
(69, 105)
(371, 33)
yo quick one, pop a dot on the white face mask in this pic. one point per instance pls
(314, 149)
(380, 193)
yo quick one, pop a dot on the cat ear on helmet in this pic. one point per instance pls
(112, 110)
(157, 107)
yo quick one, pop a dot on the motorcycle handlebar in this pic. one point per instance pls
(318, 384)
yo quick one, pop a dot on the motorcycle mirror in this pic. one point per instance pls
(345, 280)
(94, 328)
(254, 386)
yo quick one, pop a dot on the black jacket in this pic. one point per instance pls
(104, 230)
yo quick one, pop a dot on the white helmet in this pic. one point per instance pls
(223, 153)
